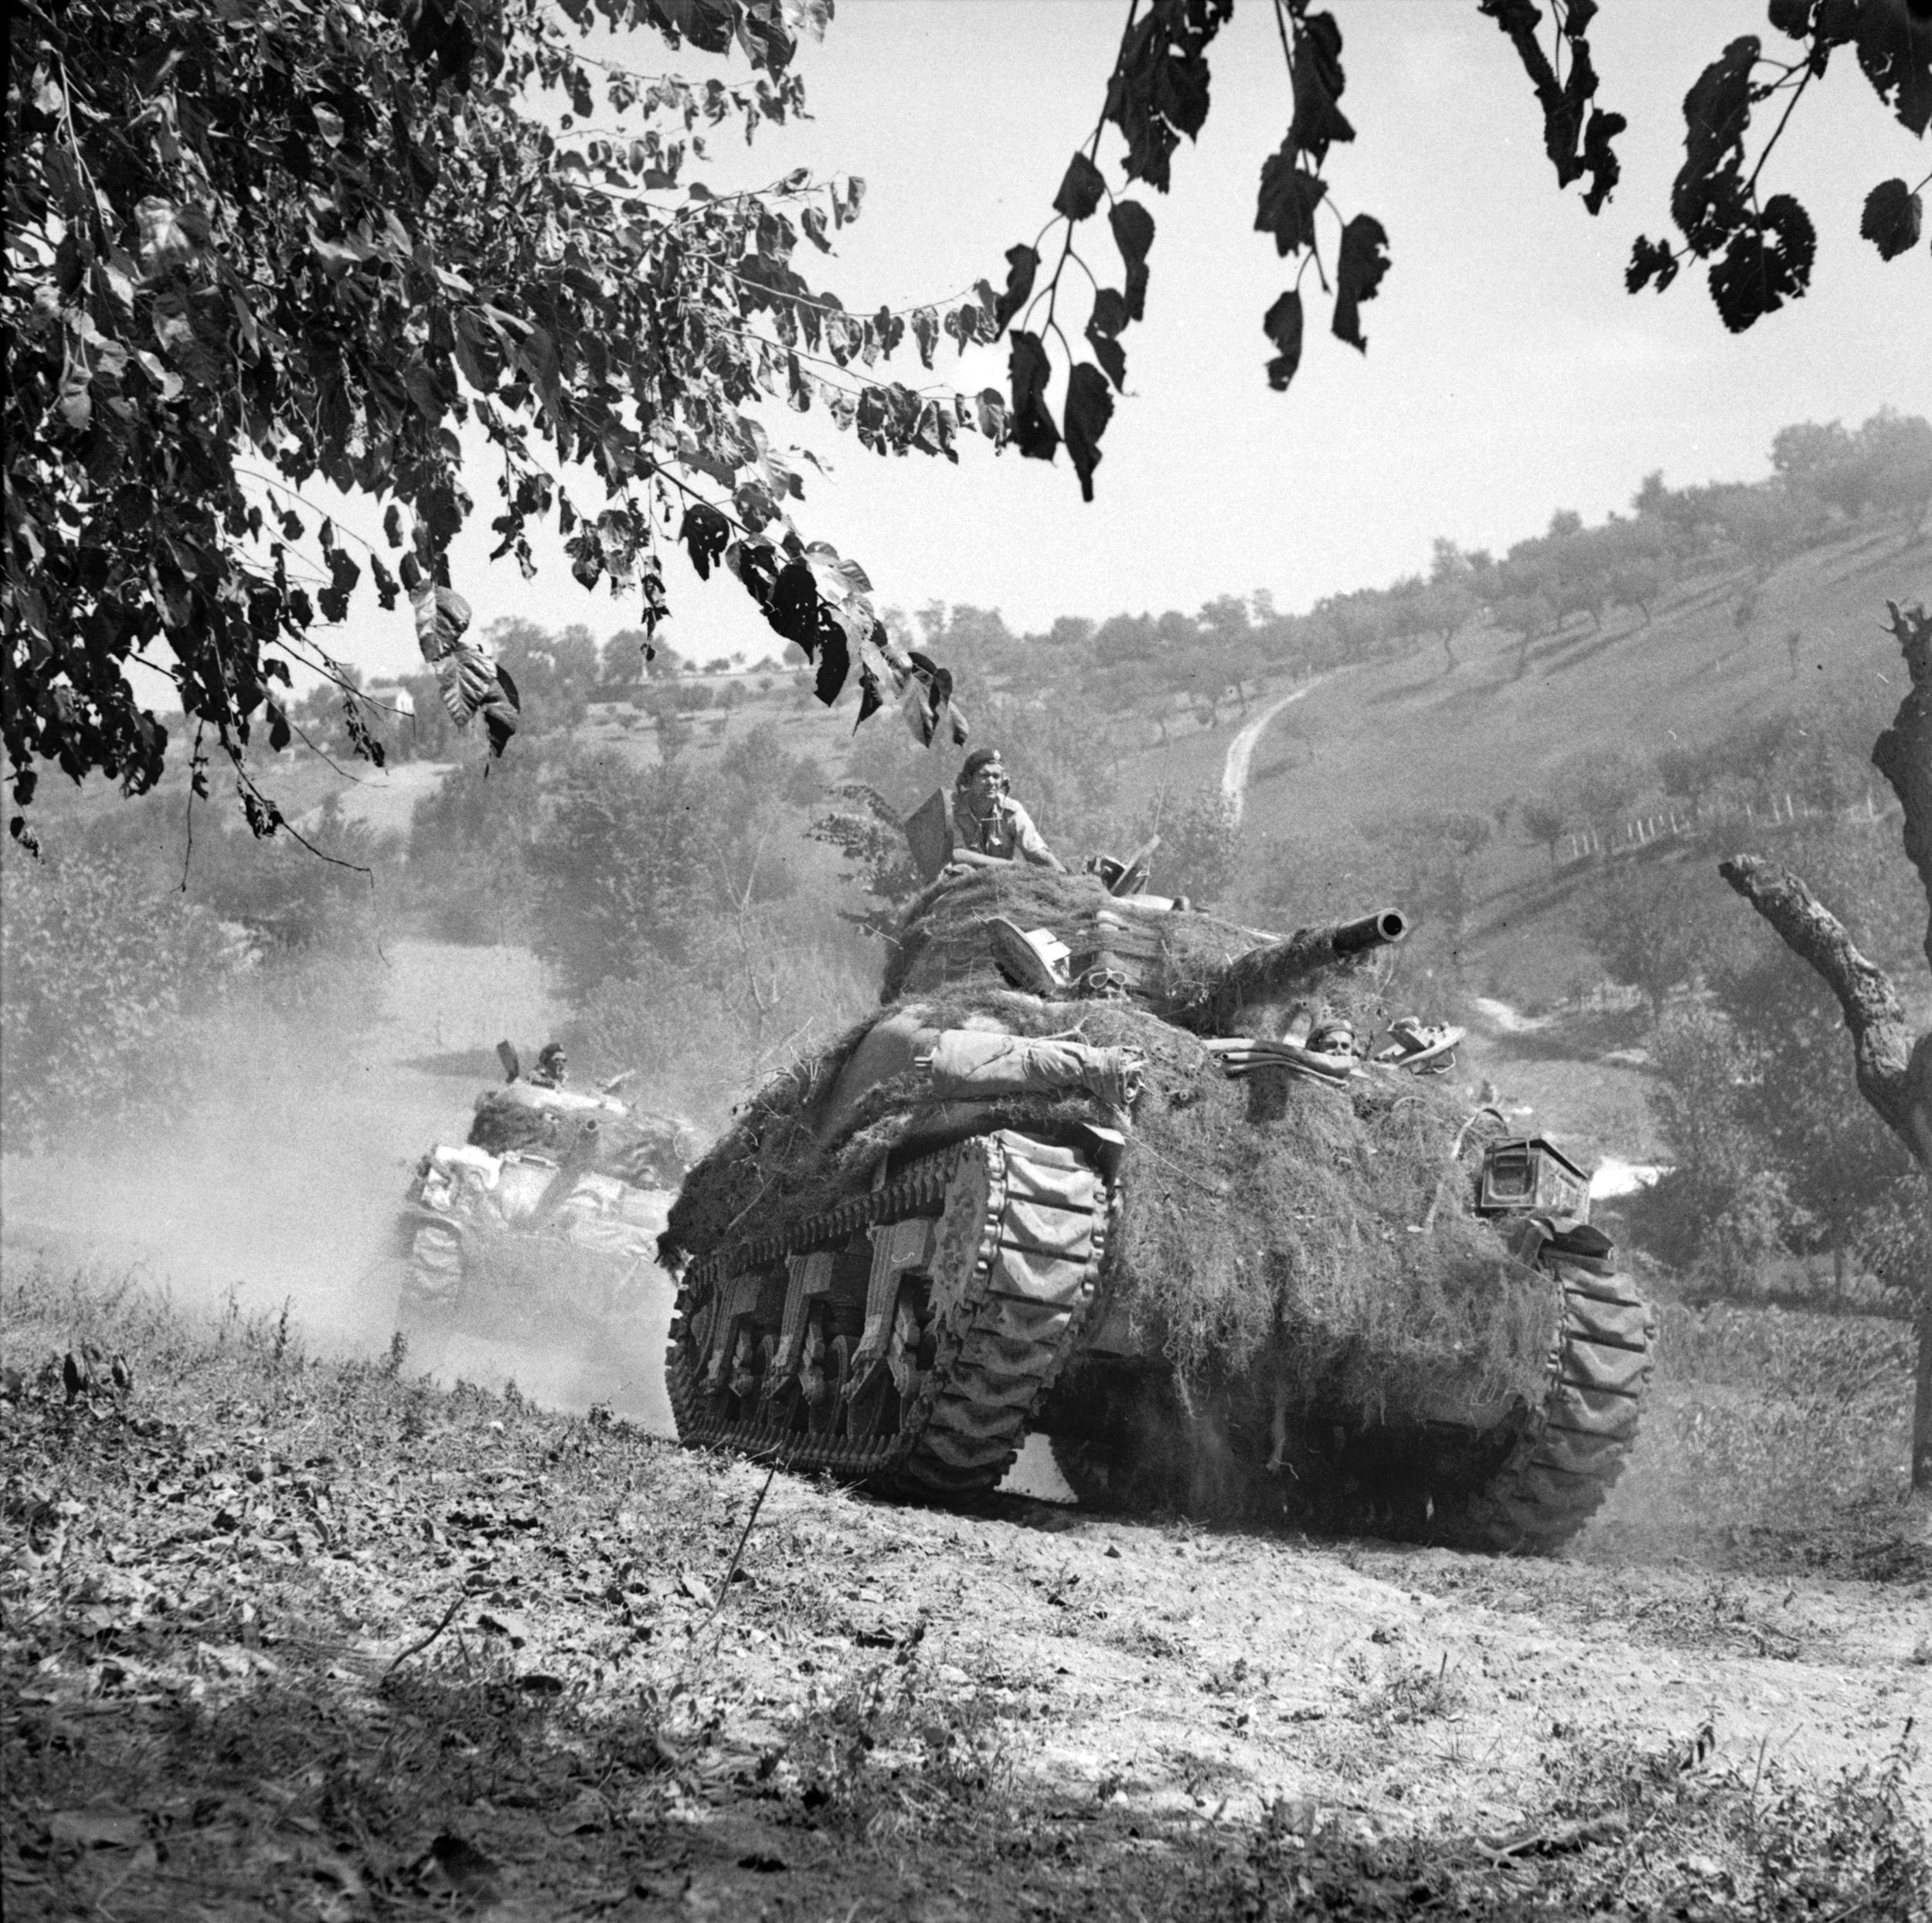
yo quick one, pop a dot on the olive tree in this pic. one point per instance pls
(1894, 1065)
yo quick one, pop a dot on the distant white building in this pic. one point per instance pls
(391, 695)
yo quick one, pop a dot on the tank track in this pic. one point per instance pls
(1010, 1276)
(1556, 1465)
(1570, 1454)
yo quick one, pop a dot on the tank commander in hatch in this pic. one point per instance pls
(552, 1064)
(988, 824)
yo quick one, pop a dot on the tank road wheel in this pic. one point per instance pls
(782, 1398)
(871, 1404)
(741, 1383)
(925, 1319)
(821, 1376)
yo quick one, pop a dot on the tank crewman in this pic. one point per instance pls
(988, 824)
(552, 1064)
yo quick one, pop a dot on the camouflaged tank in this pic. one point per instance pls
(1082, 1174)
(538, 1228)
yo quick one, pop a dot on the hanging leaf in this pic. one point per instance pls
(75, 402)
(834, 663)
(1081, 190)
(1090, 406)
(343, 574)
(794, 608)
(1575, 147)
(441, 617)
(1282, 324)
(1022, 264)
(1895, 52)
(165, 238)
(1289, 196)
(471, 683)
(925, 334)
(1650, 259)
(1316, 70)
(1158, 92)
(1133, 228)
(963, 326)
(1892, 218)
(704, 533)
(1109, 316)
(1358, 269)
(1766, 264)
(1707, 197)
(1033, 431)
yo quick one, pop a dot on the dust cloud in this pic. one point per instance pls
(276, 1168)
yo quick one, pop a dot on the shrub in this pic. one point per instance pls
(97, 970)
(1200, 841)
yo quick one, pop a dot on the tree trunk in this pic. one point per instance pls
(1894, 1067)
(1922, 1401)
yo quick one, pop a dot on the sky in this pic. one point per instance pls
(1507, 374)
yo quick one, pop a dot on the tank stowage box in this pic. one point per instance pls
(1523, 1173)
(1104, 1189)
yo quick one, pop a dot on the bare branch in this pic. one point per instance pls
(1894, 1076)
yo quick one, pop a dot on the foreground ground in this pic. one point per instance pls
(312, 1638)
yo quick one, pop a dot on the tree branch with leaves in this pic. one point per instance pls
(331, 237)
(1761, 247)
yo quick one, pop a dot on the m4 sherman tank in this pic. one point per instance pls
(541, 1226)
(1088, 1172)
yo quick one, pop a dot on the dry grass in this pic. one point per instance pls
(1771, 1436)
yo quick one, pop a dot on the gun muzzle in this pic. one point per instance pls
(1378, 931)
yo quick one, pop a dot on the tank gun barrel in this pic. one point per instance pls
(1263, 974)
(1381, 929)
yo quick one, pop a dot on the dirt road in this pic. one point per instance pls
(315, 1641)
(1240, 754)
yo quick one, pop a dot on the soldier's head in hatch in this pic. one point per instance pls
(982, 779)
(551, 1063)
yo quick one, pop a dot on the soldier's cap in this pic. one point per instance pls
(979, 759)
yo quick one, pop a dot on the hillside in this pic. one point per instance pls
(1413, 731)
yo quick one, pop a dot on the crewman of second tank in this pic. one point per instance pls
(988, 824)
(551, 1066)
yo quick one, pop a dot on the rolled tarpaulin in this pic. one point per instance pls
(969, 1063)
